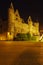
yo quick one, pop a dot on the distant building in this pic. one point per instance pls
(15, 24)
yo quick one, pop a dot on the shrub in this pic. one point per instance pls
(22, 37)
(33, 38)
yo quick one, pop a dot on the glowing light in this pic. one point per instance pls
(2, 38)
(8, 33)
(9, 36)
(41, 37)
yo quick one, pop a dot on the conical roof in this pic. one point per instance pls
(29, 18)
(11, 6)
(17, 13)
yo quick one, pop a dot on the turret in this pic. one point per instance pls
(36, 25)
(11, 20)
(17, 13)
(30, 24)
(30, 20)
(18, 18)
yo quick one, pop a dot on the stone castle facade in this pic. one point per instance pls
(17, 25)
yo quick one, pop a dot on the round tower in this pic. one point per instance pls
(11, 20)
(37, 28)
(30, 24)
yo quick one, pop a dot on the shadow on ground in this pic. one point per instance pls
(28, 57)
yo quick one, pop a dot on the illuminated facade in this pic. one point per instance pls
(16, 24)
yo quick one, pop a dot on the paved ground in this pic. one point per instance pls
(21, 53)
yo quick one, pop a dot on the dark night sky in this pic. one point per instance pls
(25, 7)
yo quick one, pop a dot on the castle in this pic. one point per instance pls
(17, 25)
